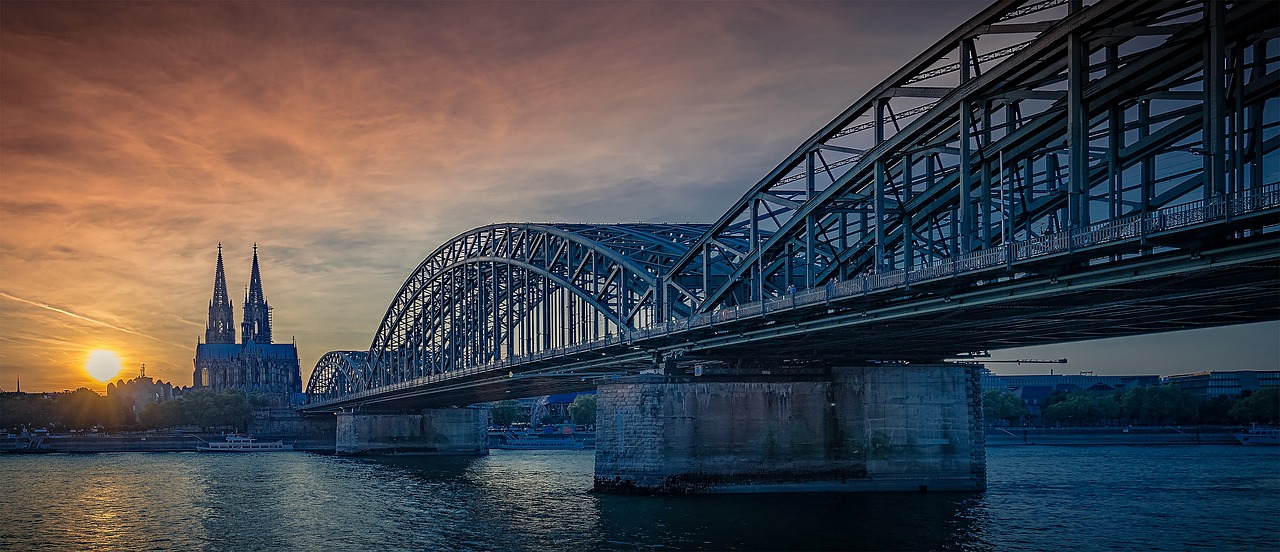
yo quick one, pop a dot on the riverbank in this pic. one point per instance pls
(98, 443)
(38, 444)
(1084, 436)
(995, 436)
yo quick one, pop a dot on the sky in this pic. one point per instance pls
(349, 140)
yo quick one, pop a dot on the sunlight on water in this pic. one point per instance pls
(1149, 498)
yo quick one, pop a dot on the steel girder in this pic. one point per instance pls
(509, 290)
(1065, 118)
(337, 373)
(1071, 115)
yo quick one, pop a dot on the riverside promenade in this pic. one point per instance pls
(1084, 436)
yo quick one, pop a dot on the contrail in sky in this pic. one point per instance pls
(85, 318)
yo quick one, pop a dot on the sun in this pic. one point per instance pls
(103, 365)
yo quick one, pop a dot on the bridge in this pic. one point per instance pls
(1049, 171)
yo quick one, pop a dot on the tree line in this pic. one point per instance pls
(582, 411)
(84, 409)
(1152, 405)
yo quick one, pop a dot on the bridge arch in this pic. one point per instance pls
(1010, 158)
(337, 373)
(507, 290)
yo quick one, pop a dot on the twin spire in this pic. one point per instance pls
(256, 327)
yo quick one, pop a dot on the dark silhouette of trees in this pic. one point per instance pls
(1083, 408)
(84, 409)
(201, 408)
(1002, 405)
(504, 413)
(1216, 410)
(583, 410)
(1262, 406)
(25, 410)
(79, 410)
(1160, 404)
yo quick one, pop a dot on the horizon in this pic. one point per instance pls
(349, 140)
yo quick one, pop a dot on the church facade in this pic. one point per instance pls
(255, 365)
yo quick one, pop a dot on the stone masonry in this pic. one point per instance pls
(866, 428)
(430, 431)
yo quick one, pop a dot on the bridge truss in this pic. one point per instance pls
(1055, 116)
(1098, 143)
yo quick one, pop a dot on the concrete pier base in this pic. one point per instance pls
(431, 431)
(867, 428)
(311, 433)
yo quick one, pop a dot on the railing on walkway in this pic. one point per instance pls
(1133, 227)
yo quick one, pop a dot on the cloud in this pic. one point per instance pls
(349, 140)
(66, 312)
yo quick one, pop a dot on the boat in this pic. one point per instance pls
(243, 443)
(1259, 435)
(539, 441)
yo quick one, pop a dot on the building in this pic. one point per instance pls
(1035, 390)
(1084, 381)
(554, 407)
(1207, 385)
(141, 391)
(255, 365)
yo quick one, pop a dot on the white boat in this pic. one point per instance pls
(1258, 435)
(539, 441)
(243, 443)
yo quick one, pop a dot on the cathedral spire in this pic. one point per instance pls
(257, 314)
(221, 326)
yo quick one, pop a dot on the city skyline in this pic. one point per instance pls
(350, 140)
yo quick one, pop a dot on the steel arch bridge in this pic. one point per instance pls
(510, 290)
(1127, 146)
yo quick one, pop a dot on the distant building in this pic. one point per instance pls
(1034, 390)
(556, 407)
(1208, 385)
(1087, 382)
(141, 390)
(255, 365)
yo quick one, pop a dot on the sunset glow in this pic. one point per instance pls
(351, 139)
(103, 365)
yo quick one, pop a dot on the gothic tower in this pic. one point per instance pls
(221, 326)
(257, 315)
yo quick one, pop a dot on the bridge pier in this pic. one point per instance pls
(432, 431)
(864, 428)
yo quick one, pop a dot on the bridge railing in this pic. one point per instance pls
(1131, 227)
(1127, 228)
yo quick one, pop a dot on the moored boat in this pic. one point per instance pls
(539, 441)
(243, 443)
(1259, 435)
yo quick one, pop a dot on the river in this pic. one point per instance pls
(1218, 497)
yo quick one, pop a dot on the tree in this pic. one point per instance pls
(1263, 406)
(1082, 407)
(159, 415)
(1055, 397)
(24, 410)
(504, 413)
(83, 409)
(583, 410)
(998, 404)
(1216, 410)
(1160, 405)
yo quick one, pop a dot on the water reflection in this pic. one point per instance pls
(1148, 498)
(899, 521)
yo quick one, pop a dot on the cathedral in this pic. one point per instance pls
(255, 365)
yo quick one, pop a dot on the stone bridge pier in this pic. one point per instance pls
(429, 431)
(911, 427)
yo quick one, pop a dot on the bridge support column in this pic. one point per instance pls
(430, 431)
(868, 428)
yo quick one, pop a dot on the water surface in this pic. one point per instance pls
(1218, 497)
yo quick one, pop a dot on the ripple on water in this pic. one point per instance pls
(1151, 498)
